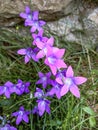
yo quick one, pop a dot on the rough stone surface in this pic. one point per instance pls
(49, 9)
(72, 20)
(80, 26)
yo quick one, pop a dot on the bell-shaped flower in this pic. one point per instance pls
(43, 46)
(39, 94)
(70, 83)
(43, 105)
(56, 89)
(38, 38)
(23, 86)
(29, 16)
(53, 59)
(21, 115)
(29, 53)
(5, 89)
(44, 79)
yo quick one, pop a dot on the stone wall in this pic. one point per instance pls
(72, 20)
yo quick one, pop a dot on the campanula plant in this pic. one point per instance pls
(55, 83)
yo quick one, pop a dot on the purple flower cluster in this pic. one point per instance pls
(57, 82)
(19, 88)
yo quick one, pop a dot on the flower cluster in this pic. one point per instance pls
(19, 88)
(57, 82)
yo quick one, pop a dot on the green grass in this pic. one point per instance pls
(68, 113)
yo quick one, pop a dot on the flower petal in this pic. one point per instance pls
(50, 41)
(33, 28)
(18, 120)
(35, 15)
(8, 83)
(25, 118)
(21, 51)
(39, 81)
(27, 9)
(27, 59)
(34, 35)
(79, 80)
(40, 54)
(40, 44)
(40, 74)
(41, 107)
(53, 69)
(60, 64)
(75, 91)
(64, 90)
(7, 94)
(41, 22)
(60, 53)
(23, 15)
(47, 109)
(69, 72)
(1, 90)
(59, 80)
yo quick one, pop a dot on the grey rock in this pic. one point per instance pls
(49, 9)
(80, 26)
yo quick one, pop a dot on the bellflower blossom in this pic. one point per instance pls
(23, 86)
(39, 94)
(21, 115)
(29, 54)
(28, 15)
(43, 103)
(43, 46)
(70, 83)
(56, 89)
(35, 23)
(44, 79)
(7, 127)
(53, 59)
(15, 89)
(5, 89)
(39, 37)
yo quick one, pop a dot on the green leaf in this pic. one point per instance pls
(89, 111)
(92, 121)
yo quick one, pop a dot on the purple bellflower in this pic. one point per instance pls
(39, 37)
(5, 89)
(15, 89)
(35, 23)
(28, 15)
(43, 103)
(39, 94)
(29, 54)
(70, 83)
(7, 127)
(56, 89)
(23, 86)
(44, 79)
(21, 115)
(53, 59)
(43, 47)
